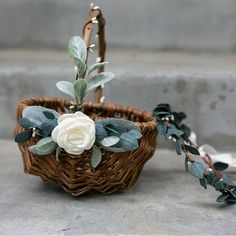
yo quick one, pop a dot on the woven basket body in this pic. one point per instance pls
(117, 171)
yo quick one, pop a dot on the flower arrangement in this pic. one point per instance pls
(71, 131)
(74, 131)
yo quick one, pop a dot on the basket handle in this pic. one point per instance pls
(87, 33)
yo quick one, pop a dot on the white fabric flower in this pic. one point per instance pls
(75, 133)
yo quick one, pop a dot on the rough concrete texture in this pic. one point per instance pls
(202, 85)
(165, 201)
(155, 24)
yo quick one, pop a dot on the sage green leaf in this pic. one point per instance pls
(99, 80)
(81, 66)
(23, 136)
(44, 146)
(178, 147)
(161, 128)
(25, 123)
(128, 142)
(197, 170)
(191, 149)
(96, 156)
(110, 141)
(174, 131)
(115, 149)
(77, 48)
(137, 134)
(58, 152)
(66, 87)
(96, 66)
(80, 88)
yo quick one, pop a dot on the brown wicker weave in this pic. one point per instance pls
(117, 171)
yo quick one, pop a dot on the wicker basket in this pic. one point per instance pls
(74, 174)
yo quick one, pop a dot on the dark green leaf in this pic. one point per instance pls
(222, 198)
(128, 142)
(220, 166)
(23, 136)
(186, 163)
(44, 146)
(179, 116)
(47, 128)
(99, 80)
(80, 87)
(219, 185)
(24, 123)
(203, 183)
(49, 115)
(96, 156)
(197, 170)
(110, 141)
(178, 147)
(186, 130)
(191, 149)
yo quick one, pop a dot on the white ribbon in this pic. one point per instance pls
(214, 154)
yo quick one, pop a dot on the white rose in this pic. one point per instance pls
(74, 133)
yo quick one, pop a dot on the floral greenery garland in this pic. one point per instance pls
(75, 132)
(170, 125)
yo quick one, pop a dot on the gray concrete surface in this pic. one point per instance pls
(202, 85)
(155, 24)
(165, 201)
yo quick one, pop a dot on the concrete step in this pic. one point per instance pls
(202, 85)
(154, 24)
(153, 206)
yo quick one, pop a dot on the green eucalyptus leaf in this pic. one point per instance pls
(197, 170)
(36, 115)
(23, 136)
(44, 146)
(115, 149)
(96, 66)
(117, 127)
(80, 88)
(77, 48)
(99, 80)
(101, 133)
(66, 87)
(110, 141)
(137, 134)
(58, 152)
(128, 142)
(47, 128)
(203, 183)
(220, 166)
(219, 185)
(161, 128)
(222, 197)
(49, 115)
(191, 149)
(96, 156)
(25, 123)
(178, 147)
(174, 131)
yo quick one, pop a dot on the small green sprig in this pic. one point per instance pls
(85, 80)
(170, 125)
